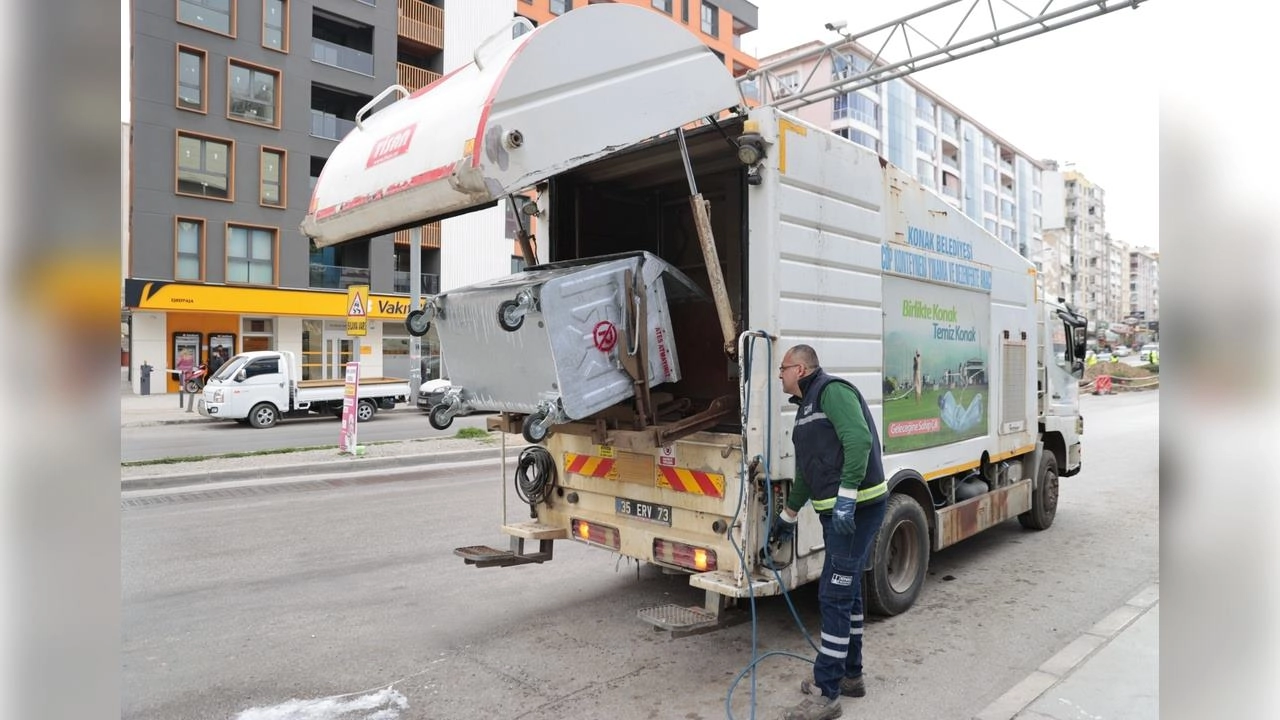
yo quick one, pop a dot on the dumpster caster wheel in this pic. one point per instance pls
(440, 417)
(507, 318)
(535, 428)
(417, 322)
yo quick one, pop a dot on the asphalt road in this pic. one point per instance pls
(215, 438)
(322, 600)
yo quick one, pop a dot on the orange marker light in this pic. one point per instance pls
(700, 559)
(584, 530)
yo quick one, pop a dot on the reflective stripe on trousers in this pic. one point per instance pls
(840, 598)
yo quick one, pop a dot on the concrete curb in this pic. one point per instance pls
(353, 464)
(1067, 660)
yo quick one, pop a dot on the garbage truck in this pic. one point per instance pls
(685, 241)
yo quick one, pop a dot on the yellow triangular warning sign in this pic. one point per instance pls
(357, 307)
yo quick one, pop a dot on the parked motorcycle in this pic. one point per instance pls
(194, 381)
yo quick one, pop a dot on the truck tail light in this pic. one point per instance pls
(685, 556)
(596, 534)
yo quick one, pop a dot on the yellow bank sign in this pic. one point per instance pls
(168, 296)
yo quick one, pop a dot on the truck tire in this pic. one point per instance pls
(899, 557)
(1044, 497)
(366, 410)
(264, 415)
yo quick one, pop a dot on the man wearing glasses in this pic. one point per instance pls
(840, 472)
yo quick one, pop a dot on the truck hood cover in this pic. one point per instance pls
(597, 79)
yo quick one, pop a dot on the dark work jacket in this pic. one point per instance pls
(819, 452)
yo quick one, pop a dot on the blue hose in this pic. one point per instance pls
(756, 657)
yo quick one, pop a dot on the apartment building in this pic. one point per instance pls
(235, 107)
(1144, 286)
(980, 173)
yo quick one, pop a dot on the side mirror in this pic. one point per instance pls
(241, 375)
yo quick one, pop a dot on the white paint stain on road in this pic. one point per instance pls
(382, 705)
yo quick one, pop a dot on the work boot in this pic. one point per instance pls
(817, 707)
(853, 687)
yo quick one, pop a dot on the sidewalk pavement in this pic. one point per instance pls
(1111, 671)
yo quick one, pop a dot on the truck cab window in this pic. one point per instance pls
(265, 366)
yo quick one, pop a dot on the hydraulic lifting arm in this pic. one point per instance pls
(972, 33)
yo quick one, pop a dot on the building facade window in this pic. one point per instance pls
(206, 167)
(989, 202)
(192, 78)
(988, 148)
(924, 172)
(251, 253)
(788, 83)
(188, 248)
(251, 94)
(663, 5)
(925, 141)
(271, 191)
(988, 174)
(214, 15)
(924, 109)
(864, 110)
(866, 140)
(847, 65)
(710, 19)
(275, 25)
(560, 7)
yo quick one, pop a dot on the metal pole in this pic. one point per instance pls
(415, 302)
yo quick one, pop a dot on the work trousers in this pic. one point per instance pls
(840, 596)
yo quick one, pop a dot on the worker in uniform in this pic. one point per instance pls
(840, 472)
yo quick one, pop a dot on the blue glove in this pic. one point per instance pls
(842, 515)
(783, 529)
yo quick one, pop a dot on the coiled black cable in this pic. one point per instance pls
(535, 487)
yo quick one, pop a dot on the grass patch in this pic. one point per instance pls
(471, 433)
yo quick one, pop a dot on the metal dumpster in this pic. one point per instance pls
(559, 342)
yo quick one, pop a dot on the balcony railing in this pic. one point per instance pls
(950, 162)
(337, 277)
(330, 126)
(430, 283)
(421, 22)
(323, 51)
(414, 78)
(951, 191)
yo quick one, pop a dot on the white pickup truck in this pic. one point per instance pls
(259, 388)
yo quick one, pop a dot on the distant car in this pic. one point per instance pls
(1145, 353)
(431, 393)
(1123, 351)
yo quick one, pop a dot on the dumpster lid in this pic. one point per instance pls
(588, 83)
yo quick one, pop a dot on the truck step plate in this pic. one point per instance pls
(677, 617)
(485, 556)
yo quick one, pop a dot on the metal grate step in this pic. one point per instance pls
(485, 556)
(678, 618)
